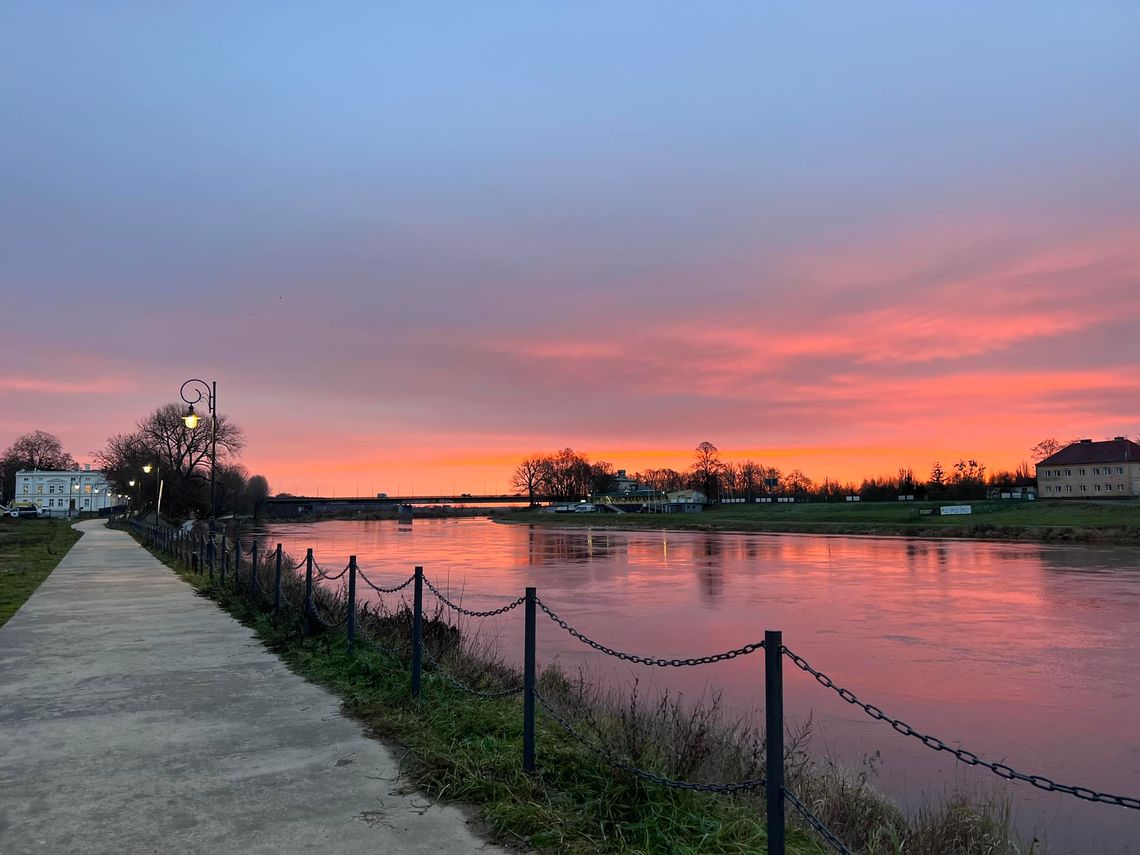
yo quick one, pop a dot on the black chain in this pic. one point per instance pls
(816, 823)
(329, 577)
(611, 758)
(378, 589)
(967, 757)
(648, 660)
(469, 612)
(465, 688)
(382, 647)
(326, 623)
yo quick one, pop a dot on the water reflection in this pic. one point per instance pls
(1020, 652)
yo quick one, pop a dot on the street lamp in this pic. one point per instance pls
(208, 391)
(138, 492)
(147, 467)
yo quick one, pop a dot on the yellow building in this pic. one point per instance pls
(1091, 470)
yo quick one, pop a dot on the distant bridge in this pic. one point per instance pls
(293, 505)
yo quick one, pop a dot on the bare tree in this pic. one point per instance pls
(182, 455)
(36, 450)
(530, 476)
(706, 469)
(797, 482)
(1045, 448)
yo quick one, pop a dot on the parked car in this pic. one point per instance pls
(26, 512)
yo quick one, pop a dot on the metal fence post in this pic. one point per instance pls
(253, 583)
(774, 738)
(277, 583)
(528, 680)
(351, 604)
(211, 553)
(305, 628)
(417, 631)
(225, 560)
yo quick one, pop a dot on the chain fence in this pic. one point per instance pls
(329, 577)
(383, 648)
(967, 757)
(817, 824)
(381, 590)
(597, 744)
(323, 621)
(648, 660)
(469, 612)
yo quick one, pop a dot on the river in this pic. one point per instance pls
(1022, 653)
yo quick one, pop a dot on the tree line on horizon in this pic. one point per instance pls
(569, 475)
(178, 456)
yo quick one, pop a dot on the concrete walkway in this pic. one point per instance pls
(136, 717)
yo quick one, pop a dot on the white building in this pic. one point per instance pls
(64, 492)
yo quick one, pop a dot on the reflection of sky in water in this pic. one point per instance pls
(1024, 653)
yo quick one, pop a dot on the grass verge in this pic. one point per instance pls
(468, 749)
(29, 551)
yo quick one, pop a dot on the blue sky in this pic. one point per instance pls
(501, 223)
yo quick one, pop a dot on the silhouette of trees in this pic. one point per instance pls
(530, 476)
(36, 450)
(1045, 448)
(706, 471)
(182, 456)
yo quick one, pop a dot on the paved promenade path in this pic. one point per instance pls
(136, 717)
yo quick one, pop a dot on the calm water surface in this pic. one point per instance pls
(1023, 653)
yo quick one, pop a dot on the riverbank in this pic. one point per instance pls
(469, 748)
(1041, 522)
(29, 551)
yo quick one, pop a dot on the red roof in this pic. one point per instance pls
(1119, 450)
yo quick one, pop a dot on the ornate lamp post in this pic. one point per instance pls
(200, 389)
(138, 493)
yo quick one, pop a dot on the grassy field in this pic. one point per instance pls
(1046, 521)
(469, 750)
(29, 551)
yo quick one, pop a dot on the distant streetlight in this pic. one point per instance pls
(208, 392)
(138, 492)
(147, 467)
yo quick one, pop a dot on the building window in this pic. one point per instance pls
(86, 503)
(1096, 471)
(25, 489)
(39, 488)
(1068, 488)
(1068, 471)
(1119, 470)
(1084, 488)
(1098, 488)
(1120, 487)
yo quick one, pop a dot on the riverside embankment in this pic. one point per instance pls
(1042, 521)
(1020, 650)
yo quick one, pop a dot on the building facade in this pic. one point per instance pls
(1091, 470)
(64, 492)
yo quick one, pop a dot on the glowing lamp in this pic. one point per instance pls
(132, 483)
(191, 418)
(147, 467)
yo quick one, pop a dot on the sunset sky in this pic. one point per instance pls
(413, 243)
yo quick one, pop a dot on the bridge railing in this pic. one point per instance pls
(248, 570)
